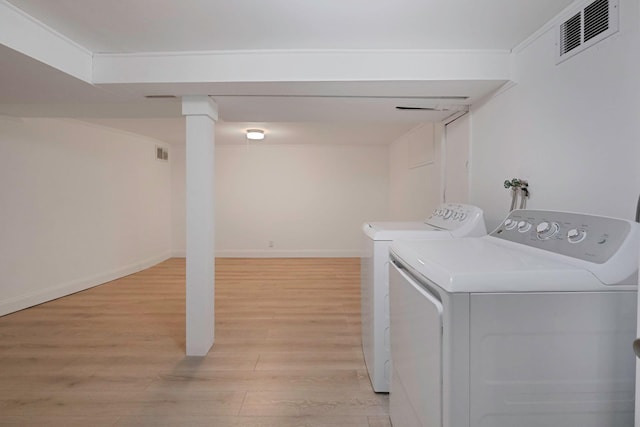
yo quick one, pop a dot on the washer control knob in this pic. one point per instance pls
(462, 216)
(524, 226)
(546, 230)
(510, 224)
(576, 235)
(447, 213)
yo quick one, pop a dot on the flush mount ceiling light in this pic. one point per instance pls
(255, 134)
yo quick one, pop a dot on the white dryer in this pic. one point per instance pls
(529, 326)
(448, 221)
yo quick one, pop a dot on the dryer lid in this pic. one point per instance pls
(447, 220)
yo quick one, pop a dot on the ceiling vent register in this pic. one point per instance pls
(586, 27)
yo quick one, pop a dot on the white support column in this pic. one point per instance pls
(201, 115)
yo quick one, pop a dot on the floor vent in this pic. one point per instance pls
(586, 27)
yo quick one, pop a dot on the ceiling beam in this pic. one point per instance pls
(301, 66)
(26, 35)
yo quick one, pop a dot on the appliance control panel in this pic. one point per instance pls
(452, 215)
(586, 237)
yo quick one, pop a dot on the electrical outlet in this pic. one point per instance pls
(270, 243)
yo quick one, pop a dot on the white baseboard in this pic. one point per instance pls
(270, 253)
(292, 253)
(21, 302)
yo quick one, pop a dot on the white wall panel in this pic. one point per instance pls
(306, 200)
(456, 165)
(81, 205)
(415, 173)
(571, 130)
(178, 201)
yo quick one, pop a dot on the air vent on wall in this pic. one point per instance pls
(586, 27)
(162, 153)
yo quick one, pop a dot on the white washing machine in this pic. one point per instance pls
(529, 326)
(448, 221)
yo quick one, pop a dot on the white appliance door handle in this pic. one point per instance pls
(419, 288)
(636, 347)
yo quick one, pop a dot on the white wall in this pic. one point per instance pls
(415, 173)
(79, 205)
(309, 200)
(456, 160)
(178, 201)
(572, 130)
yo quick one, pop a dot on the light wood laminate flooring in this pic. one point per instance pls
(287, 352)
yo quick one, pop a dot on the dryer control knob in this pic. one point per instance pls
(576, 235)
(447, 213)
(546, 230)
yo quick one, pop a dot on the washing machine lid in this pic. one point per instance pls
(403, 230)
(484, 264)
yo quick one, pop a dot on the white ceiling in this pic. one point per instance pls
(196, 25)
(292, 112)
